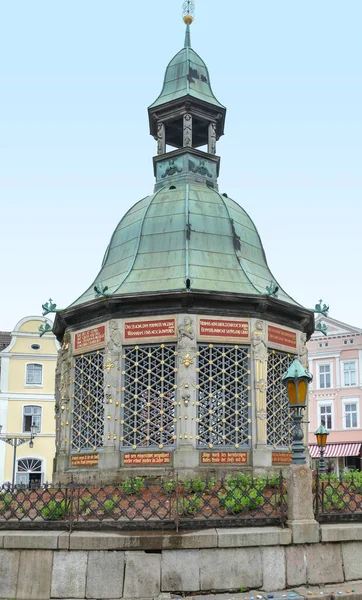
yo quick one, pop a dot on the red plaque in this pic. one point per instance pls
(144, 459)
(221, 458)
(84, 460)
(223, 328)
(282, 458)
(282, 336)
(157, 328)
(90, 339)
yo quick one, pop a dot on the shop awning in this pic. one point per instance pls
(335, 450)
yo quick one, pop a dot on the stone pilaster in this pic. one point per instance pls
(212, 138)
(259, 357)
(161, 138)
(301, 521)
(186, 455)
(187, 130)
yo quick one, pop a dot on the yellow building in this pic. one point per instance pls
(28, 364)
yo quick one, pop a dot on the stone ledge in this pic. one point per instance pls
(342, 532)
(253, 536)
(89, 540)
(31, 540)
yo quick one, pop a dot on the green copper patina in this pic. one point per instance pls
(186, 236)
(190, 233)
(186, 75)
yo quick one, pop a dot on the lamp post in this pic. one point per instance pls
(321, 435)
(296, 380)
(16, 441)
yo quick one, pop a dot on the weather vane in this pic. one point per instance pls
(188, 11)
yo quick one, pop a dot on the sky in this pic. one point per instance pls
(76, 78)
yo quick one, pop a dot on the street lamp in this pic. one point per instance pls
(321, 435)
(296, 380)
(16, 441)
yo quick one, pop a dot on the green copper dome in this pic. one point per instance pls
(186, 75)
(189, 237)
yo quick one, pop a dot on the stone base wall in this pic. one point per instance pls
(80, 565)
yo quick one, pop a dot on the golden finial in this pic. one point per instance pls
(188, 11)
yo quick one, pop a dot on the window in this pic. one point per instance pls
(34, 374)
(31, 417)
(326, 415)
(324, 376)
(345, 342)
(351, 341)
(148, 416)
(88, 402)
(351, 415)
(35, 346)
(29, 471)
(349, 373)
(279, 424)
(223, 416)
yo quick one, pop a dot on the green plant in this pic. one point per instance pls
(133, 485)
(189, 506)
(55, 510)
(237, 500)
(110, 504)
(195, 485)
(85, 504)
(241, 589)
(169, 486)
(333, 499)
(6, 500)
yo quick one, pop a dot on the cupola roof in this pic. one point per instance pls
(186, 75)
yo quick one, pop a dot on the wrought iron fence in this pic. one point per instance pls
(237, 500)
(338, 498)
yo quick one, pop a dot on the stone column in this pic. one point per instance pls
(187, 130)
(186, 455)
(161, 138)
(305, 529)
(261, 454)
(109, 459)
(63, 393)
(212, 139)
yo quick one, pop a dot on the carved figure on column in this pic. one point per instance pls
(257, 341)
(212, 138)
(161, 138)
(186, 374)
(303, 354)
(111, 362)
(187, 130)
(65, 366)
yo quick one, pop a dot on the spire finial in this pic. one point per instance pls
(188, 12)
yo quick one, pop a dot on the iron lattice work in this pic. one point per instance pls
(279, 425)
(88, 402)
(223, 396)
(238, 500)
(148, 410)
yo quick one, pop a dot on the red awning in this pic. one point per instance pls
(334, 450)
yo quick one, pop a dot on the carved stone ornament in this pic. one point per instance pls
(187, 130)
(202, 169)
(303, 354)
(111, 361)
(172, 169)
(257, 342)
(212, 138)
(161, 138)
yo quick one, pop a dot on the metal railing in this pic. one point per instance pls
(338, 498)
(136, 503)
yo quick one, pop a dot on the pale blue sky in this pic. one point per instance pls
(75, 152)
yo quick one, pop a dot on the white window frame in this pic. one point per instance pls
(41, 417)
(352, 400)
(34, 385)
(326, 403)
(343, 362)
(325, 364)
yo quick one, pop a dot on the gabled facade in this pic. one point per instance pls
(28, 365)
(335, 398)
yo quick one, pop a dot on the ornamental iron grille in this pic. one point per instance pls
(88, 403)
(279, 424)
(148, 410)
(223, 396)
